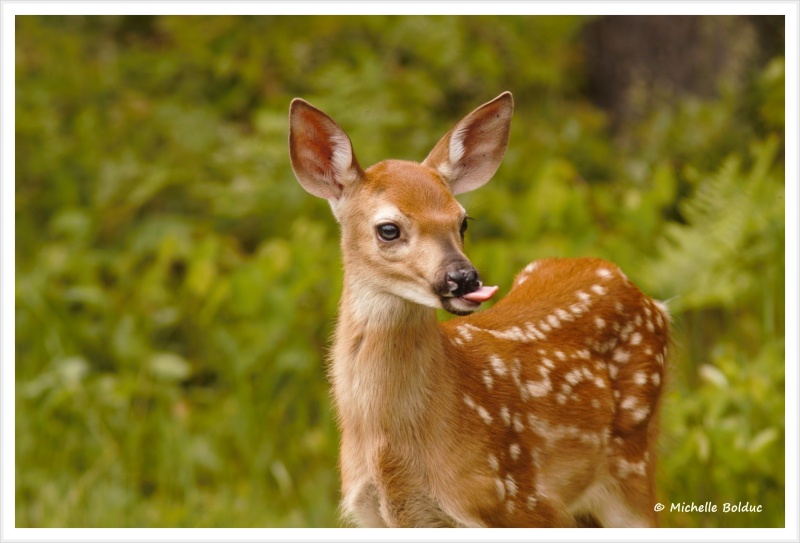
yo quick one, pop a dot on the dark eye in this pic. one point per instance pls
(388, 231)
(463, 226)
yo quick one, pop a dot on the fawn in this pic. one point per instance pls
(540, 411)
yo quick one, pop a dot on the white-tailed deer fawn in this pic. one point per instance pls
(540, 411)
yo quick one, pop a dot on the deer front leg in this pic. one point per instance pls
(405, 500)
(360, 506)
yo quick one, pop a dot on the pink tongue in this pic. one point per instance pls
(481, 295)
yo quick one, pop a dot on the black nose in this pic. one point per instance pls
(462, 279)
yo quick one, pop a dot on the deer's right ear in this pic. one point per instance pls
(321, 153)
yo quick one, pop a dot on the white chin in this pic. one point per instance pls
(459, 306)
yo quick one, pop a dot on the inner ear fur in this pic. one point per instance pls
(470, 153)
(320, 151)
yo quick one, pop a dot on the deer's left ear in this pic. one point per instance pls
(469, 155)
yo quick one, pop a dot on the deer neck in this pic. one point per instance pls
(388, 361)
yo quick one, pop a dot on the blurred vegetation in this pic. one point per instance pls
(176, 288)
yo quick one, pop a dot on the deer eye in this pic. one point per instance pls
(464, 225)
(388, 231)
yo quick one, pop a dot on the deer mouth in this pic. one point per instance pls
(466, 303)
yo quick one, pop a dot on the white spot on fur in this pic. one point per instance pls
(626, 332)
(533, 332)
(621, 356)
(512, 334)
(511, 485)
(493, 463)
(662, 307)
(599, 322)
(469, 401)
(628, 403)
(544, 326)
(573, 377)
(531, 502)
(563, 315)
(487, 378)
(464, 332)
(560, 355)
(526, 272)
(603, 273)
(514, 451)
(482, 412)
(518, 426)
(639, 378)
(498, 365)
(523, 391)
(626, 468)
(504, 414)
(578, 309)
(600, 290)
(540, 388)
(530, 267)
(656, 378)
(501, 489)
(636, 338)
(600, 383)
(553, 321)
(638, 415)
(582, 296)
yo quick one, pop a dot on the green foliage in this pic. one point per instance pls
(176, 289)
(727, 264)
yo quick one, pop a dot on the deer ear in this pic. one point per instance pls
(321, 153)
(469, 155)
